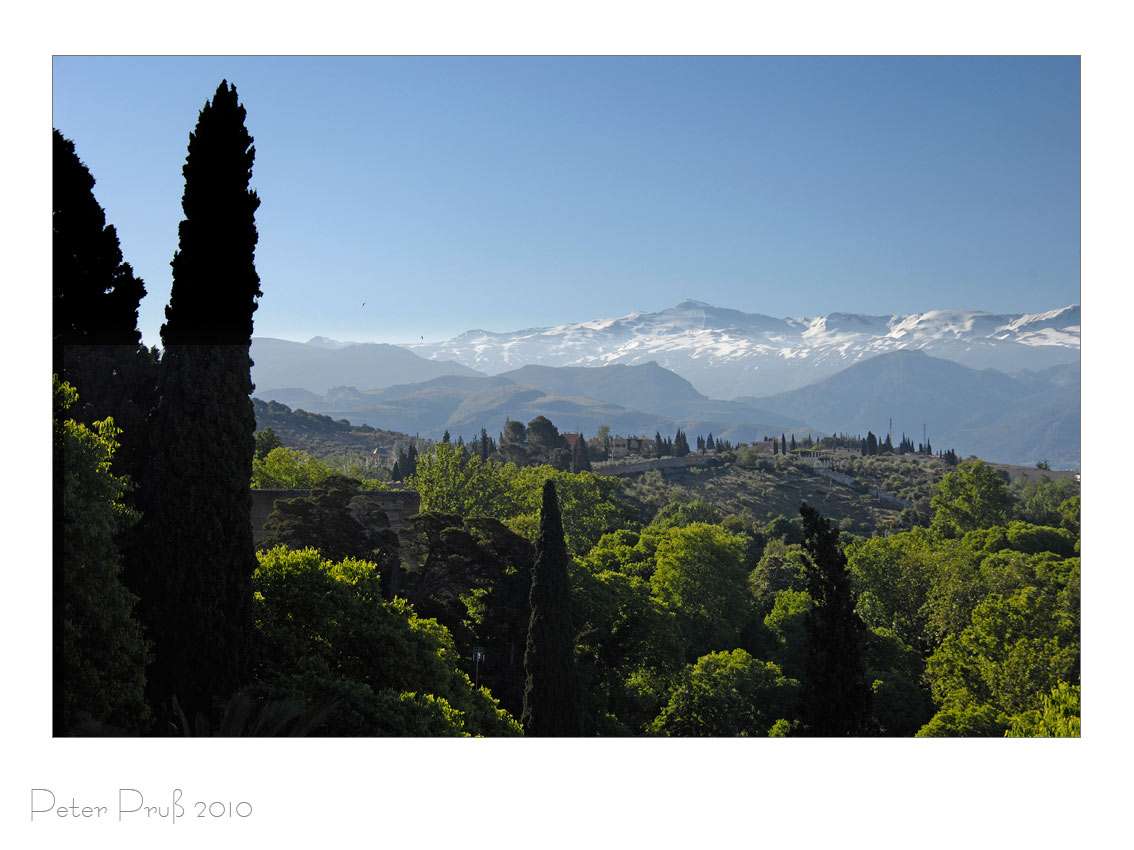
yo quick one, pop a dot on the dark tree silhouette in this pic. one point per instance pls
(552, 701)
(96, 349)
(197, 593)
(835, 699)
(580, 456)
(95, 295)
(95, 299)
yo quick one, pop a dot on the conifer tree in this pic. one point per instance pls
(552, 697)
(95, 298)
(793, 442)
(680, 444)
(484, 446)
(580, 456)
(96, 295)
(659, 445)
(197, 590)
(835, 699)
(709, 442)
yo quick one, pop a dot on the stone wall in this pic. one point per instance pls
(398, 505)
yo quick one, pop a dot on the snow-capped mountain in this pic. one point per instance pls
(726, 353)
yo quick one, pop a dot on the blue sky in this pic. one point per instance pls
(499, 193)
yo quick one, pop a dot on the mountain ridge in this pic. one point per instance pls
(725, 352)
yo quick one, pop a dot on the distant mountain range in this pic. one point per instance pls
(320, 364)
(575, 399)
(726, 353)
(1004, 387)
(1020, 419)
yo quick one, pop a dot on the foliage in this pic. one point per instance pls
(323, 631)
(95, 300)
(971, 497)
(95, 294)
(902, 704)
(588, 503)
(283, 468)
(266, 440)
(1057, 717)
(893, 579)
(700, 576)
(453, 484)
(781, 567)
(965, 721)
(787, 622)
(727, 694)
(552, 697)
(836, 697)
(104, 654)
(627, 650)
(685, 513)
(335, 520)
(1016, 648)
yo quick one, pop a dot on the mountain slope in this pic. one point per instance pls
(316, 367)
(725, 353)
(1010, 419)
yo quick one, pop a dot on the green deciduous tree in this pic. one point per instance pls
(1057, 716)
(284, 468)
(102, 654)
(728, 694)
(893, 578)
(971, 497)
(700, 576)
(323, 631)
(451, 484)
(1016, 649)
(552, 698)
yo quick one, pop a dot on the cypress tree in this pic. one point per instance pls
(580, 456)
(709, 444)
(835, 697)
(552, 698)
(197, 592)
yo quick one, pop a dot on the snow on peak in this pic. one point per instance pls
(727, 352)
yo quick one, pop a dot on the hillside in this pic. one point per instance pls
(765, 488)
(1008, 418)
(321, 436)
